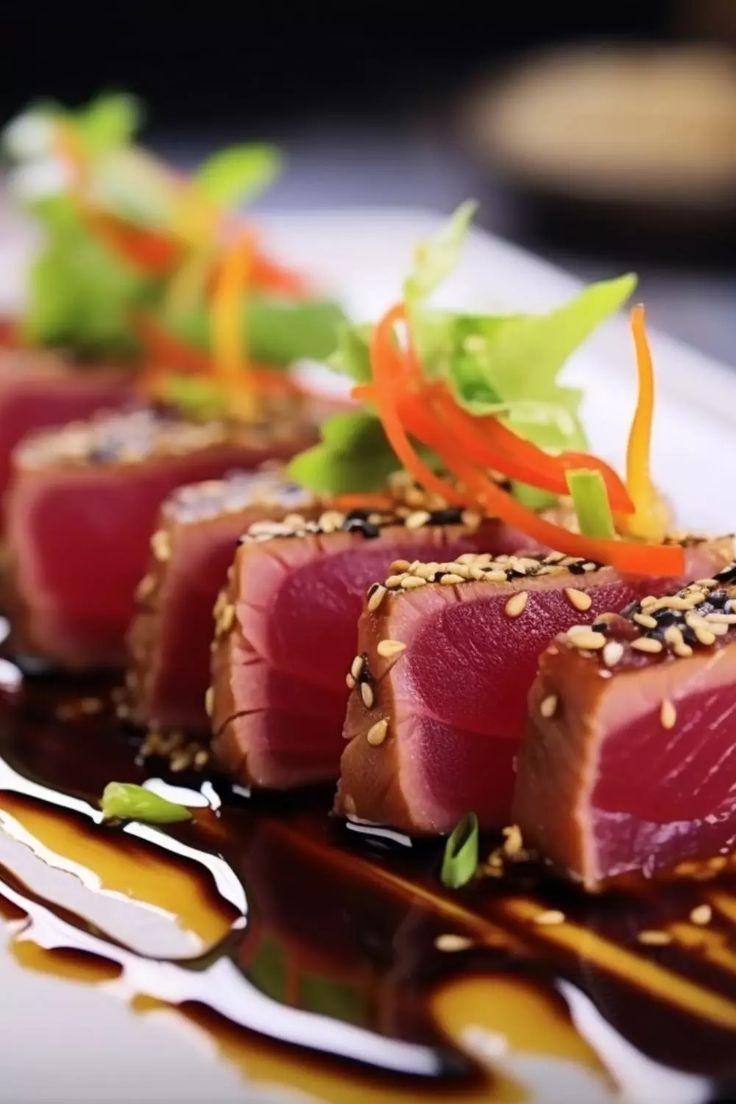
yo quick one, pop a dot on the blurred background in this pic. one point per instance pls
(601, 136)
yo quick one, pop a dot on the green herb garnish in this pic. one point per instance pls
(460, 860)
(503, 365)
(126, 801)
(590, 500)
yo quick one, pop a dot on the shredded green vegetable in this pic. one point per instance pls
(461, 853)
(126, 801)
(590, 500)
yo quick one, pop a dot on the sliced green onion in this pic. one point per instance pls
(590, 500)
(126, 801)
(461, 853)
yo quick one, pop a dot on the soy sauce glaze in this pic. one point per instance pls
(311, 935)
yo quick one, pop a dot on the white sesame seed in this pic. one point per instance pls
(411, 582)
(701, 915)
(612, 653)
(668, 714)
(649, 600)
(516, 604)
(330, 521)
(417, 519)
(470, 519)
(451, 942)
(647, 644)
(548, 706)
(377, 733)
(549, 918)
(389, 648)
(587, 640)
(645, 620)
(376, 598)
(399, 566)
(513, 843)
(366, 693)
(451, 579)
(721, 618)
(394, 580)
(653, 938)
(578, 598)
(356, 666)
(161, 545)
(349, 681)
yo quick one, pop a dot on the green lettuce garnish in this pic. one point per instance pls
(238, 174)
(81, 294)
(507, 365)
(278, 331)
(353, 456)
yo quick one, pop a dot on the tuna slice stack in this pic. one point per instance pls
(286, 632)
(443, 670)
(39, 390)
(629, 762)
(191, 551)
(80, 513)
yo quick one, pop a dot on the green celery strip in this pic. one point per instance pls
(590, 499)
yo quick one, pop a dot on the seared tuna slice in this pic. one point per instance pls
(629, 761)
(80, 513)
(286, 632)
(39, 390)
(443, 672)
(192, 549)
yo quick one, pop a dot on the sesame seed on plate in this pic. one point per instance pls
(701, 915)
(449, 941)
(549, 918)
(652, 937)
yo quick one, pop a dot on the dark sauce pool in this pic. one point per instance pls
(332, 961)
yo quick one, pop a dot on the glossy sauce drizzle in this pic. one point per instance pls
(317, 957)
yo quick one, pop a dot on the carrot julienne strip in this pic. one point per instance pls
(227, 330)
(388, 369)
(413, 410)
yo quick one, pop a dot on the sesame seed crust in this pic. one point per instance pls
(138, 436)
(699, 616)
(484, 568)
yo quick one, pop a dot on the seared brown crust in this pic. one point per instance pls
(143, 435)
(329, 525)
(370, 784)
(234, 502)
(118, 443)
(558, 758)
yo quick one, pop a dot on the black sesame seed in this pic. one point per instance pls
(576, 568)
(450, 516)
(361, 525)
